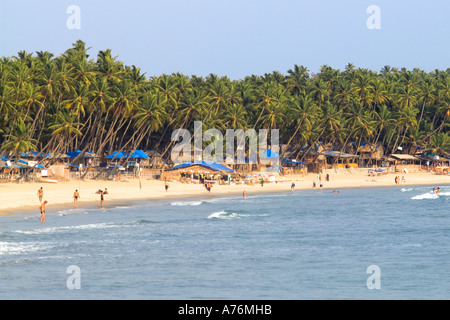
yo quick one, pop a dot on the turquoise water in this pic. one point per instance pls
(301, 245)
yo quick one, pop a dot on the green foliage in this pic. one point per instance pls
(73, 102)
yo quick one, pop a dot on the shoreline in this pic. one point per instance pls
(22, 198)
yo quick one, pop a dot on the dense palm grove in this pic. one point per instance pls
(73, 101)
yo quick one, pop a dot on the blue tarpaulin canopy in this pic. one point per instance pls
(74, 154)
(33, 154)
(115, 155)
(271, 154)
(211, 165)
(137, 154)
(76, 165)
(286, 160)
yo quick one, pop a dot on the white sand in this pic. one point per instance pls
(20, 197)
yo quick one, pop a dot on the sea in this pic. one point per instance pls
(362, 243)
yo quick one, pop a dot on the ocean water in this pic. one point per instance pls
(311, 244)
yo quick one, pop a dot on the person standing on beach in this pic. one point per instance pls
(40, 194)
(292, 187)
(101, 198)
(76, 195)
(42, 208)
(166, 185)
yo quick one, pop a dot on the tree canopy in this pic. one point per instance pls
(73, 101)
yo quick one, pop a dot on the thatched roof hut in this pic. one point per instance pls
(370, 151)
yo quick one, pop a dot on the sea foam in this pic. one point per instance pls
(223, 214)
(186, 203)
(430, 195)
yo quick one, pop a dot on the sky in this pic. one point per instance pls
(236, 38)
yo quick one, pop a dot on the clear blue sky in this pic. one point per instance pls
(236, 37)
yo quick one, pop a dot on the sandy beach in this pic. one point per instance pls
(22, 197)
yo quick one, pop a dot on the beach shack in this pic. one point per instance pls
(200, 172)
(269, 162)
(130, 164)
(370, 155)
(405, 162)
(155, 159)
(340, 159)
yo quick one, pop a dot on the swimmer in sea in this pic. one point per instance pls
(335, 191)
(438, 190)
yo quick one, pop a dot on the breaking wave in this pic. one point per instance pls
(430, 195)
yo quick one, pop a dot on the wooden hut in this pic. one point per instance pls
(370, 155)
(405, 162)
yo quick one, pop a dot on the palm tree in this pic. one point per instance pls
(440, 143)
(63, 128)
(18, 140)
(303, 113)
(235, 117)
(297, 79)
(269, 96)
(149, 117)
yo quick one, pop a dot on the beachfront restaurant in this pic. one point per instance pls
(201, 172)
(18, 169)
(405, 162)
(131, 165)
(340, 159)
(370, 155)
